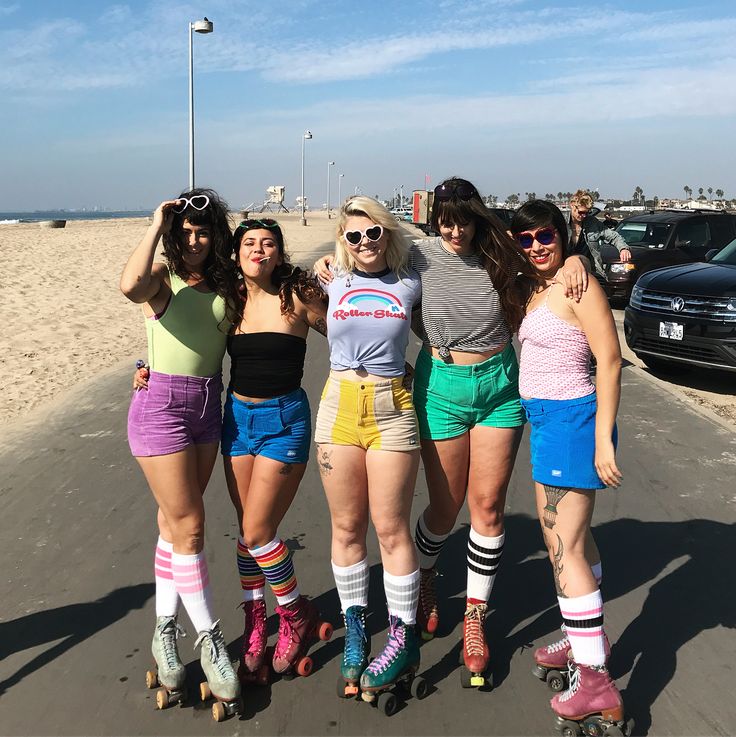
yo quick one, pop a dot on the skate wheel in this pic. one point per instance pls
(218, 711)
(419, 688)
(569, 729)
(325, 631)
(151, 679)
(555, 681)
(427, 636)
(162, 698)
(204, 691)
(539, 671)
(387, 703)
(368, 696)
(304, 666)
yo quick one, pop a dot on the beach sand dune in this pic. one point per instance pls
(62, 316)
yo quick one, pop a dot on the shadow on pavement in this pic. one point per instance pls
(72, 624)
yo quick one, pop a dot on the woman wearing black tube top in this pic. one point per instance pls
(266, 433)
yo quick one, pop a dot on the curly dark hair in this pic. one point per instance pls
(510, 271)
(289, 279)
(219, 268)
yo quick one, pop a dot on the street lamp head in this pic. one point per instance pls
(307, 134)
(203, 26)
(331, 163)
(342, 175)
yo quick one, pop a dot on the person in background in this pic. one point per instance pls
(586, 234)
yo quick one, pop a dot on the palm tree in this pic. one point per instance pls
(512, 199)
(700, 191)
(559, 196)
(719, 194)
(710, 192)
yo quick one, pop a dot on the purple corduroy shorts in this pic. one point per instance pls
(173, 413)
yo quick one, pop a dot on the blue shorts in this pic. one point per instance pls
(278, 428)
(563, 441)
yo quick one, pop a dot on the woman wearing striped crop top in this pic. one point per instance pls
(573, 451)
(174, 426)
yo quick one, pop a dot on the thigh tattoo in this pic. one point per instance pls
(554, 496)
(324, 460)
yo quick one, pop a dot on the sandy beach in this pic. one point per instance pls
(63, 317)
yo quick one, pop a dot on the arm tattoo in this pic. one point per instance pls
(320, 325)
(324, 458)
(557, 568)
(554, 496)
(286, 469)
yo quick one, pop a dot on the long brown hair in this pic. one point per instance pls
(509, 269)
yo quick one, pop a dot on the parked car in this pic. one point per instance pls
(402, 213)
(686, 315)
(663, 238)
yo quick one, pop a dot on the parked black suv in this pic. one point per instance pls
(664, 238)
(686, 314)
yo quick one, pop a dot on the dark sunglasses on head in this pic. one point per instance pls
(543, 236)
(268, 223)
(354, 237)
(461, 190)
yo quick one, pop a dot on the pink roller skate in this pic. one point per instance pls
(299, 625)
(253, 668)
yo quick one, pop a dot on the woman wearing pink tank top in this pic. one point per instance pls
(573, 451)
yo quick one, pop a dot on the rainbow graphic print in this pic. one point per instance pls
(364, 302)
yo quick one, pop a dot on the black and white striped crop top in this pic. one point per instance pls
(461, 309)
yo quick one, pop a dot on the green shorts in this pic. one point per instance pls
(450, 399)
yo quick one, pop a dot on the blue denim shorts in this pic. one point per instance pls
(278, 428)
(563, 441)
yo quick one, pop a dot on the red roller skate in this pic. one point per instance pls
(428, 617)
(591, 706)
(299, 625)
(551, 661)
(475, 652)
(253, 668)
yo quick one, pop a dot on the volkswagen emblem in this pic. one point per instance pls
(677, 304)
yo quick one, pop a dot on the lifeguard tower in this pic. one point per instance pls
(275, 199)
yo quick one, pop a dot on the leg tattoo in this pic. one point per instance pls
(554, 496)
(324, 458)
(286, 469)
(557, 568)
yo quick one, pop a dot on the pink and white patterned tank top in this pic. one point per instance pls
(555, 357)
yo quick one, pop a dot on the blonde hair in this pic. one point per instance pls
(397, 249)
(582, 197)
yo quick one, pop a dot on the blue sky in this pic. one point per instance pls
(516, 95)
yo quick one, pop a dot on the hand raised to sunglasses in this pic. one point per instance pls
(163, 216)
(574, 276)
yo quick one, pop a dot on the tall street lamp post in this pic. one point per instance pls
(339, 187)
(329, 164)
(200, 26)
(306, 137)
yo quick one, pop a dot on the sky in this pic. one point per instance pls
(515, 95)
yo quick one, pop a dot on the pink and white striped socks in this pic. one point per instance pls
(583, 617)
(192, 583)
(167, 597)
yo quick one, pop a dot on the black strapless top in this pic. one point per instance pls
(266, 364)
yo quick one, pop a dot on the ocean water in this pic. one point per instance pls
(36, 215)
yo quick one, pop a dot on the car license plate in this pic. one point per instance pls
(671, 330)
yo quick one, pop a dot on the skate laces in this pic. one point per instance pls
(254, 637)
(217, 650)
(287, 632)
(394, 645)
(475, 615)
(574, 674)
(169, 631)
(354, 638)
(427, 592)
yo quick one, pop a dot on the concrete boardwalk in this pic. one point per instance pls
(76, 588)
